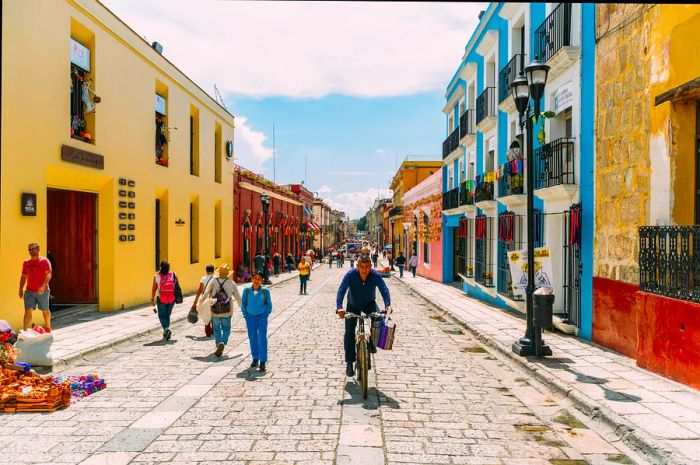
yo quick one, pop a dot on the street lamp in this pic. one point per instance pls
(523, 89)
(265, 199)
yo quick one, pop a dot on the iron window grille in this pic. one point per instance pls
(554, 33)
(483, 248)
(510, 237)
(466, 123)
(512, 179)
(450, 199)
(573, 265)
(669, 261)
(484, 191)
(486, 104)
(554, 163)
(508, 74)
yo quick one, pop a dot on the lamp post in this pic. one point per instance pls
(523, 88)
(265, 199)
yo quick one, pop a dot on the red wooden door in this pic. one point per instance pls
(71, 226)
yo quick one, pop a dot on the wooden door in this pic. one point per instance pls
(71, 239)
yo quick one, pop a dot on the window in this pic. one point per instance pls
(217, 153)
(217, 229)
(82, 83)
(161, 121)
(426, 242)
(194, 230)
(194, 141)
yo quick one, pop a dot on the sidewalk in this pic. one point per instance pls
(77, 336)
(655, 415)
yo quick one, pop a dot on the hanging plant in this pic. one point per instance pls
(541, 136)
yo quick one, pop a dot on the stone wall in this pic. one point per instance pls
(622, 164)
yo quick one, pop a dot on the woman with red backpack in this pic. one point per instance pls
(163, 296)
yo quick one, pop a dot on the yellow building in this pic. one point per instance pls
(109, 193)
(410, 174)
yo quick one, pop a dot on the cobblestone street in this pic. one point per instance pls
(438, 397)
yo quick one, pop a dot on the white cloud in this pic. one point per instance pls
(324, 190)
(250, 150)
(356, 204)
(308, 49)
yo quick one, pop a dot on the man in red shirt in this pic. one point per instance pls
(36, 273)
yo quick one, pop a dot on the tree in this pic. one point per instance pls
(362, 224)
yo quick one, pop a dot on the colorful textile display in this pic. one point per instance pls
(81, 386)
(29, 392)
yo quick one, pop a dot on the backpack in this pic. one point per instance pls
(166, 288)
(222, 302)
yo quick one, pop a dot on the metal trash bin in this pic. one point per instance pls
(543, 310)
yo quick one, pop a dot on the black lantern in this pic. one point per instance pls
(536, 73)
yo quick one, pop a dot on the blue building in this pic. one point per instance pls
(484, 187)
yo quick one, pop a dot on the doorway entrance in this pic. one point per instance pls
(71, 239)
(458, 255)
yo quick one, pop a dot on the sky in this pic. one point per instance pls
(351, 88)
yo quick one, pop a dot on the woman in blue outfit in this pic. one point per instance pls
(257, 306)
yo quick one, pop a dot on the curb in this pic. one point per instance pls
(638, 440)
(65, 361)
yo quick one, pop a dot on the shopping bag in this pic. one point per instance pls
(34, 348)
(204, 309)
(383, 332)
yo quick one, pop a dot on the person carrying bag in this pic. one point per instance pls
(225, 295)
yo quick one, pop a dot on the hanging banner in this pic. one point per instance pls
(517, 260)
(80, 55)
(160, 105)
(563, 98)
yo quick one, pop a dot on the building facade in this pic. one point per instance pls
(323, 235)
(307, 225)
(283, 219)
(93, 167)
(647, 207)
(422, 206)
(483, 182)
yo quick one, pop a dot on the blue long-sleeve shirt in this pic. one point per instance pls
(256, 303)
(362, 293)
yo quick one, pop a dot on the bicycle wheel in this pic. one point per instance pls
(363, 366)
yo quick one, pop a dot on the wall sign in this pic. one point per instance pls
(122, 204)
(160, 105)
(82, 157)
(122, 237)
(28, 204)
(122, 193)
(122, 216)
(80, 55)
(563, 98)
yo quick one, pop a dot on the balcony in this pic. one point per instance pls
(511, 184)
(451, 143)
(395, 211)
(467, 127)
(554, 170)
(553, 41)
(450, 199)
(507, 75)
(486, 110)
(466, 196)
(483, 196)
(669, 261)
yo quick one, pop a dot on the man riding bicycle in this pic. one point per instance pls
(361, 283)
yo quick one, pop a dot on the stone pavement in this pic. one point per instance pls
(438, 397)
(77, 335)
(653, 414)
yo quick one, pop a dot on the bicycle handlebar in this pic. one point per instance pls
(371, 315)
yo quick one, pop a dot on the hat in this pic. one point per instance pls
(223, 270)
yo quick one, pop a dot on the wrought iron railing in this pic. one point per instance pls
(483, 191)
(554, 33)
(466, 123)
(486, 104)
(483, 267)
(465, 256)
(512, 179)
(508, 74)
(669, 261)
(554, 164)
(398, 210)
(451, 143)
(450, 199)
(510, 227)
(466, 196)
(573, 265)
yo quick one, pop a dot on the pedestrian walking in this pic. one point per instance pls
(290, 262)
(304, 271)
(352, 260)
(338, 259)
(259, 263)
(276, 263)
(163, 296)
(414, 263)
(202, 285)
(309, 258)
(390, 257)
(36, 274)
(375, 258)
(256, 307)
(401, 263)
(222, 290)
(330, 259)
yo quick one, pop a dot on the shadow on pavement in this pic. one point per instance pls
(213, 358)
(160, 343)
(250, 374)
(199, 338)
(374, 398)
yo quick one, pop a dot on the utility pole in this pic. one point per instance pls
(274, 166)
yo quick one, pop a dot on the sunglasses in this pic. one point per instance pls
(33, 248)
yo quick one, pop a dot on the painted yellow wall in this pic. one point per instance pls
(642, 148)
(35, 124)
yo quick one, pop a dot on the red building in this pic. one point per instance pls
(285, 219)
(308, 227)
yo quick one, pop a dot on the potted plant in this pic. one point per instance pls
(488, 279)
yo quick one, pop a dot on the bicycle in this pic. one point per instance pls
(363, 361)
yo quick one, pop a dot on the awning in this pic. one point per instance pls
(312, 225)
(388, 246)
